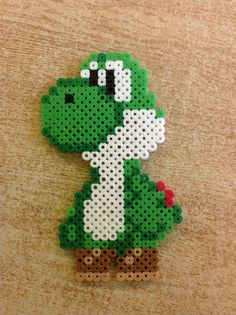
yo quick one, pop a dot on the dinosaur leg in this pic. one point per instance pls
(138, 264)
(94, 264)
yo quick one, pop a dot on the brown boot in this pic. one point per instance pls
(138, 264)
(94, 264)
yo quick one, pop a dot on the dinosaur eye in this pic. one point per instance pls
(110, 81)
(69, 98)
(114, 77)
(93, 78)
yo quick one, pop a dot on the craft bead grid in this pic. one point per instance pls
(108, 114)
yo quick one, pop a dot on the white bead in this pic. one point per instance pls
(101, 81)
(101, 73)
(127, 98)
(85, 73)
(110, 65)
(118, 97)
(86, 156)
(118, 64)
(93, 65)
(127, 72)
(161, 139)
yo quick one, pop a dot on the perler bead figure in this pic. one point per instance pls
(108, 114)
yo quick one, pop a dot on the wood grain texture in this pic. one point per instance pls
(189, 49)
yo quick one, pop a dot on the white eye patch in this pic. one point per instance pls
(121, 86)
(85, 74)
(102, 77)
(93, 65)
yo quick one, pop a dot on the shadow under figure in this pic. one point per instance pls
(109, 115)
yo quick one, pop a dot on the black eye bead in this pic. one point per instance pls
(93, 78)
(69, 99)
(110, 81)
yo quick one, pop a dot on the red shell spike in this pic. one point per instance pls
(169, 193)
(160, 186)
(169, 203)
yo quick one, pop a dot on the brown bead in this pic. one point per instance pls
(121, 276)
(154, 251)
(137, 252)
(112, 253)
(120, 268)
(129, 260)
(88, 260)
(96, 252)
(80, 253)
(137, 268)
(105, 251)
(129, 251)
(138, 260)
(88, 252)
(152, 267)
(120, 260)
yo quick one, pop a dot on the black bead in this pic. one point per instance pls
(93, 78)
(110, 78)
(69, 98)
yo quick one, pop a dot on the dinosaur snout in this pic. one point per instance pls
(76, 116)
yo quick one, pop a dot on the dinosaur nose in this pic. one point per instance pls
(69, 98)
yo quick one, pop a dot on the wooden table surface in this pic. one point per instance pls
(189, 49)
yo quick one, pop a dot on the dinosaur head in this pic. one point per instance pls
(79, 113)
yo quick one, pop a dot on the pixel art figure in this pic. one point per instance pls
(108, 114)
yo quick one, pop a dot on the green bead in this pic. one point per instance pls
(121, 252)
(160, 195)
(71, 236)
(84, 65)
(162, 236)
(160, 113)
(170, 228)
(60, 82)
(53, 90)
(177, 209)
(152, 186)
(120, 236)
(71, 212)
(46, 132)
(45, 99)
(128, 227)
(178, 219)
(54, 140)
(101, 57)
(145, 178)
(128, 195)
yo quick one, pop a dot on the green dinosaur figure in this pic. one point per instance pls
(108, 114)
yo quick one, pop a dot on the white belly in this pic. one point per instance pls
(104, 214)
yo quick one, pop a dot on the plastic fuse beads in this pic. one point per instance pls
(120, 214)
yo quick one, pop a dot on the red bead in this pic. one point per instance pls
(160, 186)
(169, 193)
(169, 203)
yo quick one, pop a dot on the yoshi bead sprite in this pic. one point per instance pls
(109, 116)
